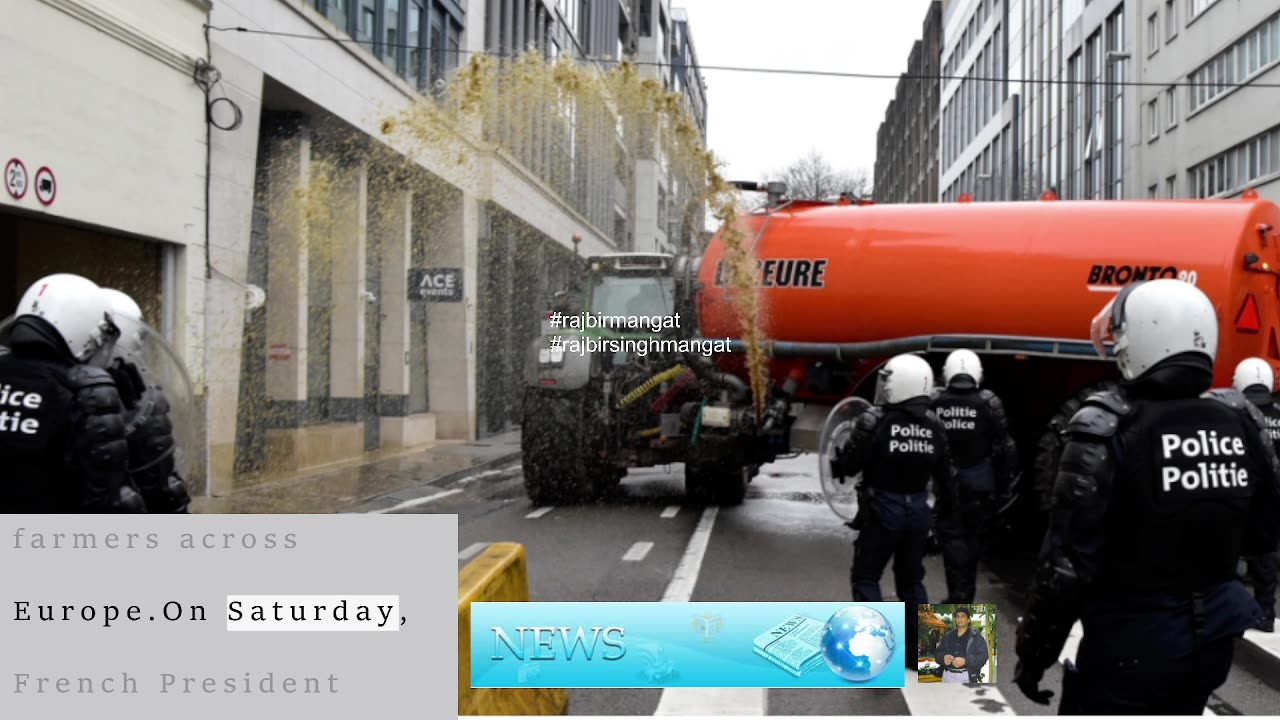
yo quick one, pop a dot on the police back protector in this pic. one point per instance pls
(35, 430)
(968, 423)
(907, 448)
(1186, 473)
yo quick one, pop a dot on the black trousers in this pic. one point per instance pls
(1111, 686)
(897, 528)
(964, 534)
(1262, 575)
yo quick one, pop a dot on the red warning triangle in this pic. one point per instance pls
(1249, 319)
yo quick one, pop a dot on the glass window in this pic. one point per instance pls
(437, 52)
(1170, 20)
(366, 25)
(391, 34)
(1153, 33)
(1171, 109)
(413, 37)
(1171, 186)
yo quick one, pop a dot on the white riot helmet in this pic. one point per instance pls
(906, 377)
(962, 362)
(74, 306)
(1155, 320)
(128, 317)
(1254, 371)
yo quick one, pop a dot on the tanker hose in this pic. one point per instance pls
(697, 425)
(650, 384)
(703, 366)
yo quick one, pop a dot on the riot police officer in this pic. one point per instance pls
(984, 456)
(1255, 379)
(1159, 489)
(149, 428)
(899, 446)
(62, 435)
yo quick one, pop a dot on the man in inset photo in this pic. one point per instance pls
(963, 651)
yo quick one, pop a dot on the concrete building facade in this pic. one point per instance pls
(906, 169)
(1107, 99)
(370, 291)
(1201, 136)
(664, 220)
(104, 140)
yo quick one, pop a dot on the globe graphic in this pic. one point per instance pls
(857, 643)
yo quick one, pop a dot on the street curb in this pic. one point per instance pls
(1262, 664)
(381, 502)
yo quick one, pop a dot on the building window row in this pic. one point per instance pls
(969, 35)
(1235, 169)
(420, 40)
(1236, 65)
(976, 100)
(1195, 7)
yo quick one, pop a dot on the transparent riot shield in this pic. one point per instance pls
(154, 380)
(158, 373)
(841, 492)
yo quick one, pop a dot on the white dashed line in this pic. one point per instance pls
(671, 512)
(638, 552)
(414, 502)
(704, 701)
(539, 513)
(472, 550)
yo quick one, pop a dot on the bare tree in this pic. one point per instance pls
(812, 177)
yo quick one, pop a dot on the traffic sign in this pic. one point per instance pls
(46, 186)
(15, 178)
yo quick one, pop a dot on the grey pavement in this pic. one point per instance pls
(375, 484)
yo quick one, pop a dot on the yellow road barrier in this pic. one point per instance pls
(499, 574)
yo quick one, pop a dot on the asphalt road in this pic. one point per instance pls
(783, 543)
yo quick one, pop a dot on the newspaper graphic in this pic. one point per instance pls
(795, 645)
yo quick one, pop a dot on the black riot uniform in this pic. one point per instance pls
(1262, 569)
(984, 456)
(62, 435)
(898, 449)
(151, 442)
(1158, 491)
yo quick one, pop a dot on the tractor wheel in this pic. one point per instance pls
(716, 484)
(559, 463)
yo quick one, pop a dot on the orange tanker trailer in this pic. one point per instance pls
(843, 287)
(840, 289)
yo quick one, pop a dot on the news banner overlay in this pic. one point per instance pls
(661, 645)
(216, 616)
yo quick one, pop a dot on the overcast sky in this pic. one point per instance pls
(758, 124)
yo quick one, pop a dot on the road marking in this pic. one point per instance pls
(1072, 645)
(671, 511)
(953, 698)
(680, 589)
(701, 702)
(1269, 642)
(414, 502)
(539, 513)
(704, 701)
(638, 551)
(472, 550)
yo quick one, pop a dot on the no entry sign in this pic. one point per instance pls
(46, 186)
